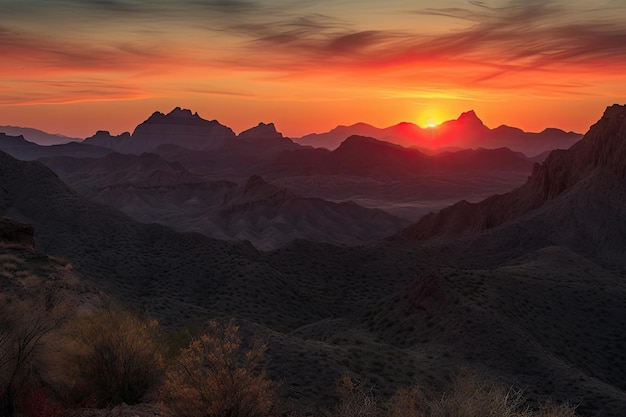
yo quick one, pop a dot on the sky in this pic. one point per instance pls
(77, 66)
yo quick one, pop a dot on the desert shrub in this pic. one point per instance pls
(408, 402)
(113, 356)
(469, 396)
(218, 376)
(23, 327)
(354, 399)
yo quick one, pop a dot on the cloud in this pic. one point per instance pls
(517, 45)
(514, 45)
(526, 35)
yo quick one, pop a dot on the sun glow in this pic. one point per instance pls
(431, 117)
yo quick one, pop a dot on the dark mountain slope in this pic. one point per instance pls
(549, 320)
(170, 274)
(369, 157)
(270, 216)
(577, 194)
(151, 189)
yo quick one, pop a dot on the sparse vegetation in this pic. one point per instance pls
(23, 326)
(355, 400)
(219, 375)
(468, 396)
(113, 356)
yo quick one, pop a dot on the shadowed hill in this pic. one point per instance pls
(588, 177)
(369, 157)
(548, 320)
(151, 189)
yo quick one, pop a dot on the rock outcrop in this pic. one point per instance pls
(16, 233)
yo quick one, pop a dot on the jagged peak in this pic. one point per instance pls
(179, 112)
(261, 131)
(177, 116)
(615, 111)
(469, 116)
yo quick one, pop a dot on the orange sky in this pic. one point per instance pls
(74, 67)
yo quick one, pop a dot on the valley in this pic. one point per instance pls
(332, 259)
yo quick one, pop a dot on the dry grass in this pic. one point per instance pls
(468, 396)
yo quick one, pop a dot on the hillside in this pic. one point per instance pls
(390, 313)
(575, 198)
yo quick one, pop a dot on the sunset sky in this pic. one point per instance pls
(76, 66)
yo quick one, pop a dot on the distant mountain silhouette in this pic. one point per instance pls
(37, 136)
(201, 145)
(104, 139)
(577, 195)
(262, 132)
(369, 157)
(22, 149)
(467, 131)
(179, 127)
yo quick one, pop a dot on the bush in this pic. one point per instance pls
(217, 376)
(114, 357)
(23, 326)
(470, 396)
(354, 400)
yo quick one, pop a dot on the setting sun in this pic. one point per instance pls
(432, 117)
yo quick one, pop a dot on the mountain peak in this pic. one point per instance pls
(605, 143)
(178, 116)
(261, 131)
(178, 112)
(469, 117)
(602, 150)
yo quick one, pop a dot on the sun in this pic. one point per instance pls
(430, 118)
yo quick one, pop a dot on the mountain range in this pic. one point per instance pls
(151, 189)
(526, 287)
(580, 178)
(177, 169)
(467, 131)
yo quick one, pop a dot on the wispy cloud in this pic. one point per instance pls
(513, 45)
